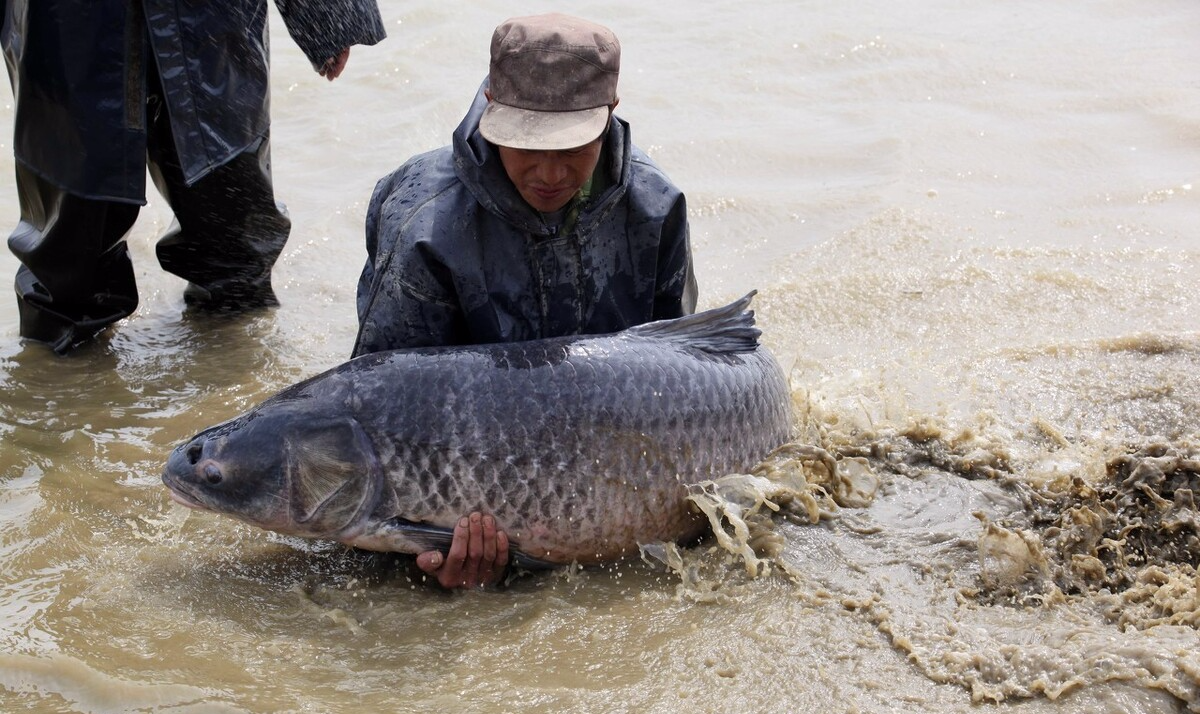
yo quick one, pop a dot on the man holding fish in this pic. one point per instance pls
(541, 219)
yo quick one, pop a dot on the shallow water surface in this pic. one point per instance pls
(973, 232)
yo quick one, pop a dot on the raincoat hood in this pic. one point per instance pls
(477, 164)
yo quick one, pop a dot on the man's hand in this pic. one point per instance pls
(334, 65)
(478, 555)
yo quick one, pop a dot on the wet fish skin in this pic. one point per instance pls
(581, 447)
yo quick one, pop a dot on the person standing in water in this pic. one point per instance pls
(105, 89)
(541, 219)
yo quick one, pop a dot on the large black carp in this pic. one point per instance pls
(581, 447)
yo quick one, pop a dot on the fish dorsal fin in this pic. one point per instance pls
(720, 330)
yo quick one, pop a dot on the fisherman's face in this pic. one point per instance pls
(548, 179)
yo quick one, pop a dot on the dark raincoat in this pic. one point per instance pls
(456, 256)
(80, 82)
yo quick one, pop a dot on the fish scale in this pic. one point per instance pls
(581, 447)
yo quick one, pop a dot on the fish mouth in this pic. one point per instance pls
(178, 495)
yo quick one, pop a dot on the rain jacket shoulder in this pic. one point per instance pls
(456, 256)
(78, 70)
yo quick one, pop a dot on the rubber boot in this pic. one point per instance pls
(76, 277)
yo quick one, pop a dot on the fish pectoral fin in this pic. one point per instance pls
(423, 535)
(524, 561)
(430, 537)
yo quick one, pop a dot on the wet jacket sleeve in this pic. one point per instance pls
(323, 28)
(405, 294)
(675, 291)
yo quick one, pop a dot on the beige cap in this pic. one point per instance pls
(553, 78)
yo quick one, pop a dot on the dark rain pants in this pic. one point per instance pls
(76, 276)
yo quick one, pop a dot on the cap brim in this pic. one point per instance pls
(541, 131)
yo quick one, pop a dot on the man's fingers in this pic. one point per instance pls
(489, 541)
(333, 67)
(458, 543)
(451, 573)
(472, 567)
(430, 561)
(478, 555)
(500, 562)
